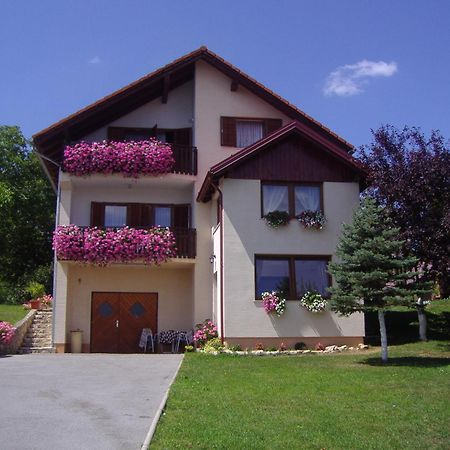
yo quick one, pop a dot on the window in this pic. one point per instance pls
(248, 132)
(242, 132)
(115, 216)
(290, 197)
(291, 276)
(140, 215)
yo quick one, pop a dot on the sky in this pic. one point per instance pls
(353, 65)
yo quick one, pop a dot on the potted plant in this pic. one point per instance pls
(273, 303)
(277, 219)
(312, 219)
(36, 291)
(313, 302)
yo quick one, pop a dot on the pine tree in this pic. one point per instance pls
(372, 274)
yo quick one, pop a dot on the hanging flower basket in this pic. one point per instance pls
(313, 302)
(312, 219)
(273, 304)
(132, 159)
(277, 219)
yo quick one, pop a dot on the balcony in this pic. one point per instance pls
(130, 158)
(103, 246)
(185, 159)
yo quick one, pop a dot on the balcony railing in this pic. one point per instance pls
(185, 242)
(185, 159)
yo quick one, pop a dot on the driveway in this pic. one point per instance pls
(86, 401)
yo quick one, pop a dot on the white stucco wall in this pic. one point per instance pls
(176, 113)
(246, 234)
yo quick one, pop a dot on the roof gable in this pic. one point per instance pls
(292, 153)
(50, 141)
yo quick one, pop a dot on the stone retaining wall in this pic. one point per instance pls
(21, 330)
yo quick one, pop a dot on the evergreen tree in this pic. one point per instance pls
(372, 274)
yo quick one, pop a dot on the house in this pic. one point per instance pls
(240, 151)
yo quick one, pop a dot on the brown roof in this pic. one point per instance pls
(50, 141)
(220, 169)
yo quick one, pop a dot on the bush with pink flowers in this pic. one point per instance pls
(6, 332)
(204, 332)
(132, 159)
(104, 246)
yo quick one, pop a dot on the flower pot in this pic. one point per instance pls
(35, 304)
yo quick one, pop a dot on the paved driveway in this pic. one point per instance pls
(88, 401)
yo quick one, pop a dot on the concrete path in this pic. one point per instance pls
(88, 401)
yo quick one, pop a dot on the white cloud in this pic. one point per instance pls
(95, 60)
(349, 79)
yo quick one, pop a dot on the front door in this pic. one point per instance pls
(117, 320)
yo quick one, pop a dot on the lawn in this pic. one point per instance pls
(12, 313)
(328, 401)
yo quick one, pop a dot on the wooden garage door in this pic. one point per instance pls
(117, 320)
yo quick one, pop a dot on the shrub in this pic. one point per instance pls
(214, 344)
(299, 346)
(235, 348)
(6, 332)
(282, 347)
(319, 347)
(204, 332)
(259, 346)
(188, 348)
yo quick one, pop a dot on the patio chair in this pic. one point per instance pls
(185, 337)
(147, 339)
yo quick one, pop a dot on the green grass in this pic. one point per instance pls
(335, 401)
(12, 313)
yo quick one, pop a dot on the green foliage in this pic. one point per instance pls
(277, 219)
(188, 348)
(27, 216)
(372, 273)
(35, 289)
(214, 344)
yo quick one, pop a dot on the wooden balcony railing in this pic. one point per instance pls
(186, 242)
(185, 159)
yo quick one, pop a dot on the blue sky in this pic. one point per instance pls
(353, 65)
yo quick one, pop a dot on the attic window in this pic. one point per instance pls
(248, 132)
(244, 131)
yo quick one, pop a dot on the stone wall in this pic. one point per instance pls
(21, 329)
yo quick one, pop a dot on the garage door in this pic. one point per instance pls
(117, 320)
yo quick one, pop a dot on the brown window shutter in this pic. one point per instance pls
(146, 216)
(97, 214)
(116, 134)
(228, 131)
(272, 125)
(181, 215)
(182, 136)
(134, 214)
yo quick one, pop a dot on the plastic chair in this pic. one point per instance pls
(185, 337)
(147, 338)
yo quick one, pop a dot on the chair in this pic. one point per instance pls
(147, 338)
(185, 337)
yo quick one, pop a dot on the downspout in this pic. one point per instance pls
(222, 326)
(58, 198)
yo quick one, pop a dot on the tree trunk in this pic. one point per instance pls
(383, 335)
(422, 320)
(444, 288)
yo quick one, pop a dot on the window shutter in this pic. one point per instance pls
(97, 214)
(134, 215)
(228, 131)
(181, 217)
(146, 216)
(272, 125)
